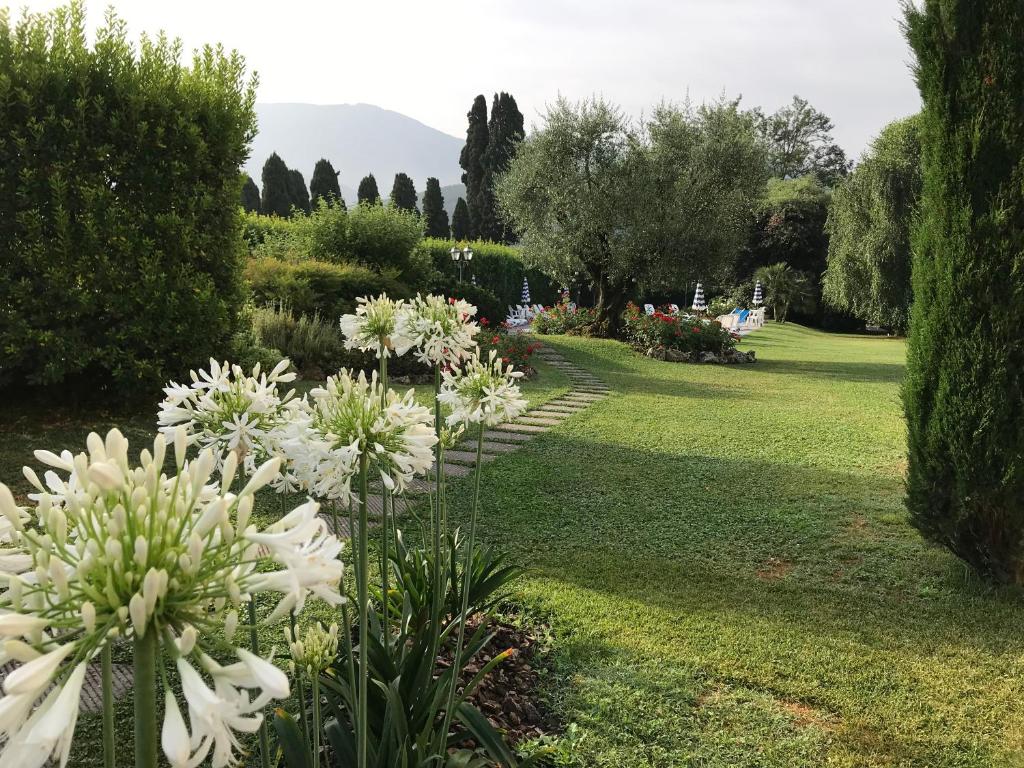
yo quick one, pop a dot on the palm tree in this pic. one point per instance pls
(785, 288)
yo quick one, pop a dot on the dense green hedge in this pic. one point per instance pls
(119, 190)
(964, 384)
(316, 287)
(498, 268)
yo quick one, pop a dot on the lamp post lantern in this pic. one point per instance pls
(460, 257)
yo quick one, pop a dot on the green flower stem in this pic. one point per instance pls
(316, 721)
(254, 641)
(146, 736)
(108, 707)
(387, 510)
(301, 688)
(362, 588)
(467, 579)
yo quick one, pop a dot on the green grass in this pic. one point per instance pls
(727, 564)
(730, 572)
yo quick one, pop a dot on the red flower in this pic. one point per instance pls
(451, 299)
(696, 330)
(505, 360)
(484, 322)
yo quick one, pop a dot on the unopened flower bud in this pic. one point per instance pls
(137, 610)
(88, 612)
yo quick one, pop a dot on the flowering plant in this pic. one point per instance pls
(375, 327)
(564, 318)
(442, 330)
(228, 411)
(668, 331)
(124, 550)
(513, 348)
(482, 392)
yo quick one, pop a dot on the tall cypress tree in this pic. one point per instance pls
(324, 183)
(297, 190)
(471, 160)
(250, 195)
(276, 199)
(435, 217)
(368, 192)
(403, 194)
(460, 220)
(504, 132)
(964, 385)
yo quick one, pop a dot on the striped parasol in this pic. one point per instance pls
(758, 298)
(698, 298)
(526, 292)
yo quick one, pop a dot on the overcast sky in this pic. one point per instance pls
(428, 58)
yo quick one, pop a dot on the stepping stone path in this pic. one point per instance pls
(586, 390)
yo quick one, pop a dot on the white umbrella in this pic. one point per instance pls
(698, 299)
(758, 298)
(526, 292)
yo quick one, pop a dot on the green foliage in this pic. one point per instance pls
(471, 159)
(627, 207)
(504, 132)
(461, 225)
(324, 184)
(561, 318)
(786, 288)
(869, 226)
(250, 195)
(435, 217)
(965, 367)
(383, 238)
(665, 331)
(800, 143)
(403, 194)
(514, 348)
(119, 192)
(256, 229)
(277, 196)
(297, 191)
(312, 287)
(314, 345)
(497, 268)
(368, 193)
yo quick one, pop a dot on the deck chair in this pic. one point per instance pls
(649, 309)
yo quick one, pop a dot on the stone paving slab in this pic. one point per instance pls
(507, 437)
(544, 413)
(573, 406)
(564, 410)
(541, 421)
(466, 457)
(534, 428)
(491, 446)
(589, 397)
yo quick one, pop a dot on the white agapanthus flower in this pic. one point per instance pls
(230, 411)
(350, 417)
(119, 549)
(441, 330)
(314, 650)
(482, 392)
(374, 327)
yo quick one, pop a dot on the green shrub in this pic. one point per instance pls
(314, 345)
(498, 268)
(119, 204)
(256, 228)
(664, 331)
(964, 386)
(316, 287)
(514, 348)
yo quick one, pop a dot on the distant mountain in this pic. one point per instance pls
(358, 139)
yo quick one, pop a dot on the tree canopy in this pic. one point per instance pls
(869, 226)
(435, 217)
(277, 198)
(460, 220)
(403, 193)
(800, 143)
(368, 192)
(250, 195)
(324, 184)
(472, 161)
(626, 206)
(297, 190)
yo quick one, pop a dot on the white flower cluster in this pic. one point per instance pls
(115, 549)
(441, 330)
(483, 393)
(228, 411)
(373, 327)
(350, 417)
(314, 650)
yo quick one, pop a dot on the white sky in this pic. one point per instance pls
(428, 58)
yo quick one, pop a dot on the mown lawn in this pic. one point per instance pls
(732, 579)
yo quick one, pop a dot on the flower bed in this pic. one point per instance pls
(564, 318)
(681, 339)
(512, 348)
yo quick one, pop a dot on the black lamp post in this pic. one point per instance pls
(460, 257)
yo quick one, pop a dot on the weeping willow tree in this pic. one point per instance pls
(964, 387)
(868, 273)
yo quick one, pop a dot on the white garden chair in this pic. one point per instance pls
(649, 309)
(673, 308)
